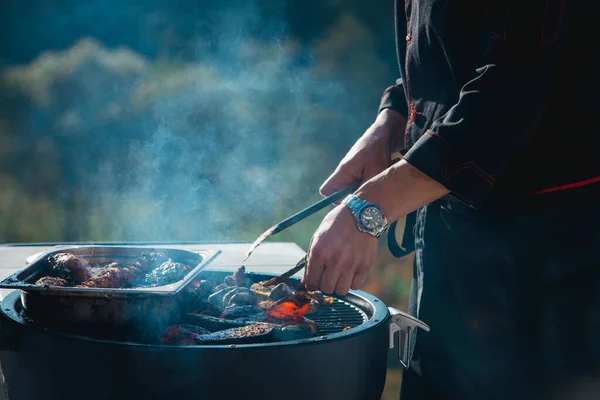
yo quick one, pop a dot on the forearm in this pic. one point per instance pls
(397, 127)
(400, 190)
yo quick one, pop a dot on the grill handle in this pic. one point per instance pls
(404, 323)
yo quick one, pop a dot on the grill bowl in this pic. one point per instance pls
(39, 362)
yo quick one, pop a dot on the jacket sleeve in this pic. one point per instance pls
(469, 147)
(394, 98)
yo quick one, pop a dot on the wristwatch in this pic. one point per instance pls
(369, 217)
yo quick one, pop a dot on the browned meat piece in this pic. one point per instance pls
(113, 276)
(52, 281)
(184, 334)
(168, 272)
(238, 278)
(69, 267)
(280, 291)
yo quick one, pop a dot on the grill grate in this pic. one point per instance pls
(337, 316)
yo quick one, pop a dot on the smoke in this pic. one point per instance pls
(219, 147)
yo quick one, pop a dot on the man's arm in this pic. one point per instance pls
(468, 149)
(464, 152)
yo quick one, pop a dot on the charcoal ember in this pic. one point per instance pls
(69, 267)
(217, 297)
(291, 308)
(113, 276)
(239, 296)
(280, 291)
(256, 333)
(167, 272)
(51, 281)
(242, 312)
(184, 334)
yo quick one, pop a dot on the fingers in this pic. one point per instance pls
(342, 177)
(358, 280)
(315, 264)
(344, 282)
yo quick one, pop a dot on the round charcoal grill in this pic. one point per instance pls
(338, 363)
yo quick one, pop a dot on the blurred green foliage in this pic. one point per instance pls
(106, 142)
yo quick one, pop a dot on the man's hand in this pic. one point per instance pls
(340, 255)
(370, 154)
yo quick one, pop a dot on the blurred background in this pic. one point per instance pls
(181, 120)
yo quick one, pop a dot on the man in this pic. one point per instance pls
(495, 108)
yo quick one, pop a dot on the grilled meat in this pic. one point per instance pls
(69, 267)
(113, 276)
(52, 281)
(238, 278)
(280, 291)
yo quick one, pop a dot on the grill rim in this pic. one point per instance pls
(376, 311)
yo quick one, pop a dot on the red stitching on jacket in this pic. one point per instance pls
(408, 86)
(568, 186)
(543, 42)
(554, 37)
(449, 174)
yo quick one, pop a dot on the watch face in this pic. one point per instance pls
(371, 218)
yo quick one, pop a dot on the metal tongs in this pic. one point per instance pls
(288, 274)
(286, 223)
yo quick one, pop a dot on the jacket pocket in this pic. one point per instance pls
(525, 24)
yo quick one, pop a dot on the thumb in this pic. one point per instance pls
(341, 178)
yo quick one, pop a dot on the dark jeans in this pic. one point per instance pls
(513, 302)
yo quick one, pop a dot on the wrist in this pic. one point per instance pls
(400, 189)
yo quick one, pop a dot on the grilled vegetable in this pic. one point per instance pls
(247, 334)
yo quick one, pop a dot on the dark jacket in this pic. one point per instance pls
(501, 98)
